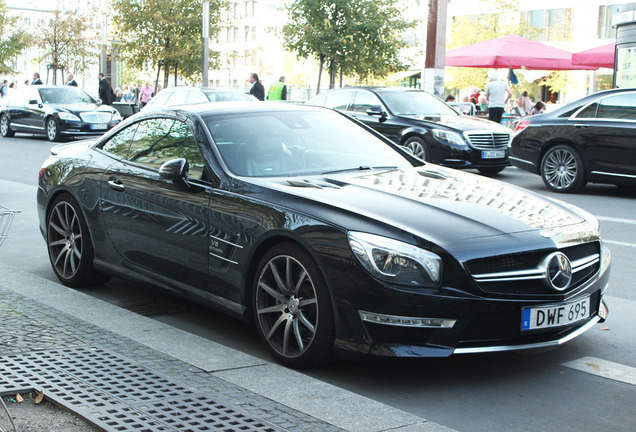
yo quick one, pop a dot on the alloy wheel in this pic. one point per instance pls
(560, 169)
(65, 239)
(287, 306)
(51, 130)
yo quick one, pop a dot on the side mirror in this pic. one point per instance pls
(33, 102)
(175, 170)
(376, 111)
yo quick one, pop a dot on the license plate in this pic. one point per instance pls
(555, 315)
(493, 154)
(99, 126)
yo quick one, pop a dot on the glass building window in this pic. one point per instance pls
(605, 15)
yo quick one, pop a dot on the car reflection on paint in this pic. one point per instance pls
(326, 235)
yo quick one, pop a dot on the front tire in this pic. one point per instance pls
(52, 130)
(5, 127)
(562, 169)
(69, 244)
(491, 171)
(418, 147)
(292, 309)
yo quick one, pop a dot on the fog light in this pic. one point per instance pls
(401, 321)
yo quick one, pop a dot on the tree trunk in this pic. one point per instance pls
(332, 74)
(166, 76)
(322, 63)
(176, 70)
(157, 80)
(341, 74)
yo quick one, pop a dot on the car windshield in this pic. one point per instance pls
(416, 103)
(298, 142)
(65, 96)
(222, 96)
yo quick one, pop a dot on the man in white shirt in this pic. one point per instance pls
(498, 94)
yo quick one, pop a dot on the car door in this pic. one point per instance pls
(386, 124)
(28, 114)
(608, 139)
(159, 227)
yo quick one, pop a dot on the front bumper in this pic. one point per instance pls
(71, 128)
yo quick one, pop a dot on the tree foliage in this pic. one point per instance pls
(13, 40)
(63, 39)
(168, 30)
(350, 37)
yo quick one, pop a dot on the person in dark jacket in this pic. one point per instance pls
(105, 90)
(36, 79)
(258, 91)
(70, 80)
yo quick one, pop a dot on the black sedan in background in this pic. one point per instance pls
(190, 95)
(590, 140)
(56, 112)
(434, 131)
(323, 233)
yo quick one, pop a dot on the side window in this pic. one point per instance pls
(33, 94)
(178, 98)
(589, 111)
(338, 100)
(161, 99)
(622, 107)
(364, 101)
(159, 140)
(197, 98)
(119, 144)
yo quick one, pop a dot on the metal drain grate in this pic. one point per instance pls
(116, 394)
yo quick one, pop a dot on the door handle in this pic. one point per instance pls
(116, 184)
(580, 125)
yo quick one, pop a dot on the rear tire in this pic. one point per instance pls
(562, 170)
(292, 308)
(69, 244)
(5, 127)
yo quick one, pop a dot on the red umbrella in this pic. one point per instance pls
(512, 51)
(602, 56)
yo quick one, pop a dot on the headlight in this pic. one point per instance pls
(449, 137)
(68, 117)
(396, 262)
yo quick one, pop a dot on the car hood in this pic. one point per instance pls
(461, 123)
(438, 204)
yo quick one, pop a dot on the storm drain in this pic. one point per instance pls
(116, 394)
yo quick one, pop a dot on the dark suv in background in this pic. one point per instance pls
(434, 131)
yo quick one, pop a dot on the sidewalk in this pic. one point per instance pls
(125, 372)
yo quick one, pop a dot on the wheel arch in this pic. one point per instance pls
(255, 259)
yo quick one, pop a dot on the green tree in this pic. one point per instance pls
(164, 30)
(65, 43)
(13, 40)
(360, 37)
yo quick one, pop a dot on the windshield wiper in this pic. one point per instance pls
(360, 168)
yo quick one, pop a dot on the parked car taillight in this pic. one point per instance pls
(522, 125)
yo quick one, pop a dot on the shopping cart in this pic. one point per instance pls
(6, 218)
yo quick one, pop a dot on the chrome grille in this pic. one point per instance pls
(488, 140)
(521, 275)
(96, 117)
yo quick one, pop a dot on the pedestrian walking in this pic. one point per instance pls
(145, 94)
(497, 93)
(257, 90)
(105, 90)
(4, 89)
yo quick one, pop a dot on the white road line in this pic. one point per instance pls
(619, 243)
(619, 220)
(604, 368)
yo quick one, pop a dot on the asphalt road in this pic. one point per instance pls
(553, 390)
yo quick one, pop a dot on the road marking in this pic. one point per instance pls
(604, 368)
(619, 220)
(619, 243)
